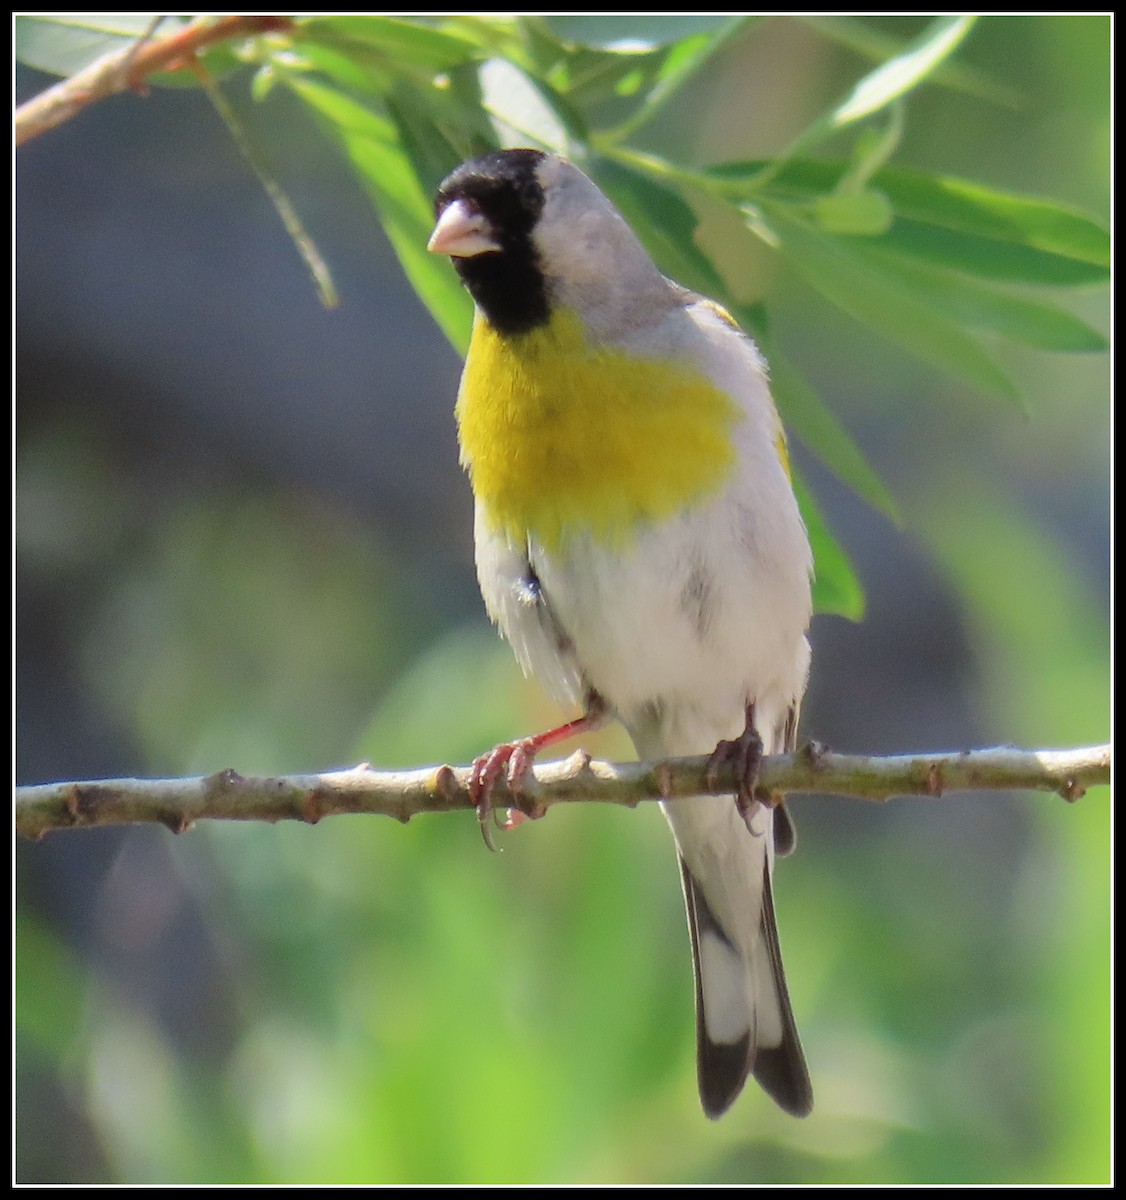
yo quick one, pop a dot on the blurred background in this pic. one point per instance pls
(243, 539)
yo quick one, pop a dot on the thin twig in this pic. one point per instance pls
(128, 68)
(227, 795)
(283, 206)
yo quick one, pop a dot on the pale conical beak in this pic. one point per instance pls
(461, 233)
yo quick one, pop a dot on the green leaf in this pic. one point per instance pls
(220, 60)
(979, 229)
(1043, 225)
(588, 77)
(65, 43)
(630, 34)
(865, 212)
(979, 305)
(540, 52)
(401, 40)
(433, 131)
(681, 61)
(806, 416)
(836, 587)
(663, 221)
(989, 257)
(343, 65)
(524, 110)
(906, 71)
(887, 83)
(878, 46)
(847, 279)
(262, 82)
(373, 146)
(872, 148)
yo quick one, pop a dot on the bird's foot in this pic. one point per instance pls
(514, 761)
(745, 754)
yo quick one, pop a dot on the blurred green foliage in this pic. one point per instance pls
(391, 1006)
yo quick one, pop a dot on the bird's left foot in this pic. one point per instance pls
(744, 753)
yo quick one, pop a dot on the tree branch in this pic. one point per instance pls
(229, 796)
(126, 69)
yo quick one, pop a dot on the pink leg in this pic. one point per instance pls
(515, 760)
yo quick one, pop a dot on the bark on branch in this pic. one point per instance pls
(229, 796)
(127, 69)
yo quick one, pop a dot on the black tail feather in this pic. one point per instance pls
(780, 1070)
(722, 1067)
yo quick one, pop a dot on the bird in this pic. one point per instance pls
(639, 545)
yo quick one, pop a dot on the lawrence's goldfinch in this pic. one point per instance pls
(640, 547)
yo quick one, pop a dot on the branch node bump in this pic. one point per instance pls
(813, 753)
(578, 763)
(312, 808)
(663, 777)
(82, 804)
(73, 805)
(933, 779)
(223, 781)
(1072, 790)
(446, 785)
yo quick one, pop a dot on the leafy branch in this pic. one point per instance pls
(229, 796)
(131, 63)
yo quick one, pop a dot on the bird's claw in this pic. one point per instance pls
(745, 754)
(514, 760)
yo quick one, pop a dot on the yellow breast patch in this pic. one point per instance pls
(560, 436)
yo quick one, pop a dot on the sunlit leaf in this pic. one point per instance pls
(899, 75)
(981, 230)
(879, 46)
(684, 58)
(630, 33)
(886, 84)
(974, 208)
(373, 146)
(342, 65)
(64, 43)
(522, 109)
(403, 41)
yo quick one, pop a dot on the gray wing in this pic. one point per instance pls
(518, 604)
